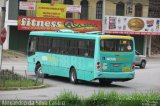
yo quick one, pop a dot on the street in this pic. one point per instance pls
(145, 80)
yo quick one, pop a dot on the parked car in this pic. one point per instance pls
(140, 60)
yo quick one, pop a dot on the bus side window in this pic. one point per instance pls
(81, 48)
(91, 48)
(32, 46)
(55, 45)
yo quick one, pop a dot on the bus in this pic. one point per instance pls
(82, 56)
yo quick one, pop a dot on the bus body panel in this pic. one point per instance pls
(55, 64)
(117, 62)
(119, 65)
(114, 65)
(115, 76)
(31, 63)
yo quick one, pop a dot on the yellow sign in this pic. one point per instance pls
(50, 10)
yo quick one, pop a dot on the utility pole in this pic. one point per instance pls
(2, 18)
(103, 16)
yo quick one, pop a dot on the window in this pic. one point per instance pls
(120, 9)
(83, 48)
(73, 49)
(84, 9)
(86, 48)
(116, 45)
(32, 46)
(99, 8)
(69, 2)
(138, 10)
(55, 45)
(44, 44)
(154, 10)
(65, 46)
(45, 1)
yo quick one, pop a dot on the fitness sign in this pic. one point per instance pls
(55, 24)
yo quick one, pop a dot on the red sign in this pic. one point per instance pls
(3, 35)
(55, 24)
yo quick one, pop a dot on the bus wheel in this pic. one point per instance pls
(73, 76)
(38, 70)
(104, 82)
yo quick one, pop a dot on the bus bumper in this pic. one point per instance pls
(117, 76)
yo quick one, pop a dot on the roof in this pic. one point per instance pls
(77, 35)
(64, 34)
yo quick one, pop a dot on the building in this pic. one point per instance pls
(90, 9)
(2, 12)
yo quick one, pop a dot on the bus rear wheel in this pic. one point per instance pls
(104, 82)
(73, 76)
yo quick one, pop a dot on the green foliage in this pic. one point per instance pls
(97, 99)
(69, 98)
(110, 99)
(101, 98)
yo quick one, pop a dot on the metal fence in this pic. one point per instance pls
(8, 78)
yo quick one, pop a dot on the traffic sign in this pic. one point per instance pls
(3, 35)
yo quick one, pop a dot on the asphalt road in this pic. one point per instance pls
(145, 80)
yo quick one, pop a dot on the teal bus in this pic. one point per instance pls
(82, 56)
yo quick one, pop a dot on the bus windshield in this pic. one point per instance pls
(116, 45)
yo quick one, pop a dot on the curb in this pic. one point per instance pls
(22, 88)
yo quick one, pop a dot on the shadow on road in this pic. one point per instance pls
(60, 80)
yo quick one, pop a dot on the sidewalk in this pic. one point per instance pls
(11, 56)
(154, 58)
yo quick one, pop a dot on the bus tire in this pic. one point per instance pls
(73, 76)
(104, 82)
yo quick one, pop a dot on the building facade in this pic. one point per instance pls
(2, 12)
(90, 10)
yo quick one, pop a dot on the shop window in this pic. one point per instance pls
(99, 8)
(120, 9)
(138, 10)
(84, 9)
(154, 10)
(45, 1)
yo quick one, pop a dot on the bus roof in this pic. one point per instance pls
(77, 35)
(63, 34)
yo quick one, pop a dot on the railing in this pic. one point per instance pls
(11, 79)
